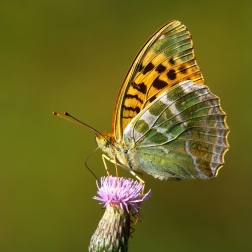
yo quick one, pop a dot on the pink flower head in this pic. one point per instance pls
(118, 191)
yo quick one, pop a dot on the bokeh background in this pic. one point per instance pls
(72, 56)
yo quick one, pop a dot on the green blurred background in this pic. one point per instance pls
(72, 56)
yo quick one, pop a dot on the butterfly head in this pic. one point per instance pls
(104, 143)
(108, 144)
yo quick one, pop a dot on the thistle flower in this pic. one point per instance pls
(121, 197)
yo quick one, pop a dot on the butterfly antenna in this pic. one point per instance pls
(80, 123)
(89, 168)
(76, 121)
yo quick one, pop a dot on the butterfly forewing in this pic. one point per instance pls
(165, 60)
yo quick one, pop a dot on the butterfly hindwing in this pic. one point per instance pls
(165, 60)
(181, 134)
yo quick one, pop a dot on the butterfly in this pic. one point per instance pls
(166, 122)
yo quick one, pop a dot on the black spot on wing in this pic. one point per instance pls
(136, 109)
(171, 74)
(159, 84)
(182, 69)
(130, 96)
(140, 87)
(127, 117)
(171, 61)
(160, 68)
(148, 68)
(152, 98)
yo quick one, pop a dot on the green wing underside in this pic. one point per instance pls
(181, 134)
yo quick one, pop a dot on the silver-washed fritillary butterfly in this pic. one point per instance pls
(166, 122)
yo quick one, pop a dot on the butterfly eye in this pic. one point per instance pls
(104, 142)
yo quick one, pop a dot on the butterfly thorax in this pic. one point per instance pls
(115, 150)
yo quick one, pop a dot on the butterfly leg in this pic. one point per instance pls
(137, 177)
(104, 157)
(116, 166)
(137, 216)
